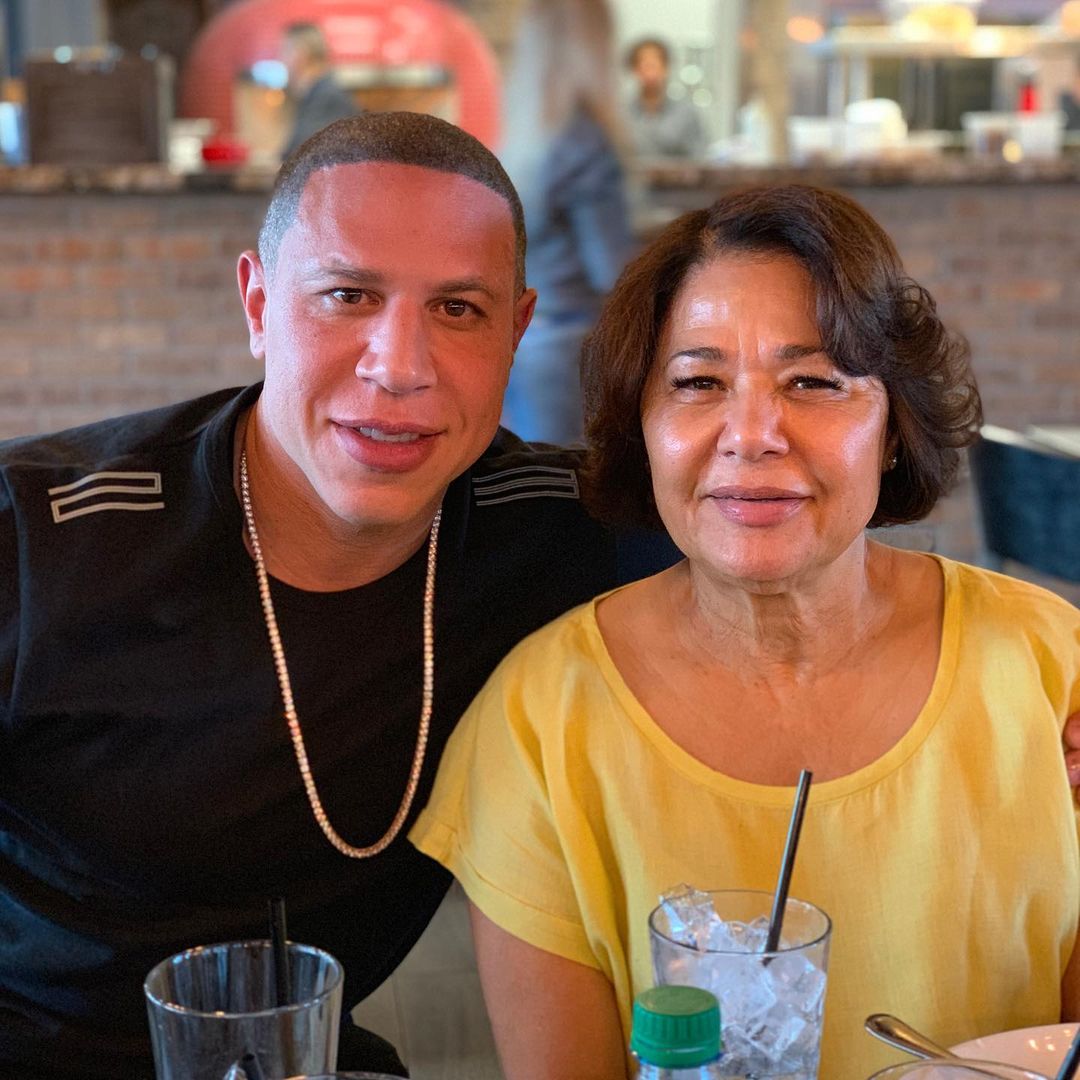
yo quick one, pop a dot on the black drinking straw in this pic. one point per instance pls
(252, 1069)
(280, 951)
(1072, 1060)
(787, 863)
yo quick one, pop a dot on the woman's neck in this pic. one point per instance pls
(807, 627)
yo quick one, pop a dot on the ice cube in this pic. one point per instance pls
(797, 980)
(782, 1030)
(745, 991)
(689, 916)
(737, 936)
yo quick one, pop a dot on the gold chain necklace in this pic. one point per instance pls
(295, 731)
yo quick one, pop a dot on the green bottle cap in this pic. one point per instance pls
(676, 1027)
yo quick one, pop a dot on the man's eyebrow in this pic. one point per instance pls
(468, 284)
(357, 275)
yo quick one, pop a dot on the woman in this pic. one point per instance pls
(560, 150)
(767, 383)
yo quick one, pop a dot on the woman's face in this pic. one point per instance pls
(765, 457)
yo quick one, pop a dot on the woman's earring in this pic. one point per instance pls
(891, 464)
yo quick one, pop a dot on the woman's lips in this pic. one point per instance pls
(757, 506)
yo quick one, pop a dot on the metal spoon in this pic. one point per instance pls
(903, 1036)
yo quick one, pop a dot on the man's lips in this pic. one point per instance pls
(757, 506)
(387, 430)
(386, 446)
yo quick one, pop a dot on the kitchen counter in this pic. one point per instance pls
(944, 169)
(950, 169)
(131, 179)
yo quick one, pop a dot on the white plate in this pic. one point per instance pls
(1041, 1049)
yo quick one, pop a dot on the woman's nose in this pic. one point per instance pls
(753, 425)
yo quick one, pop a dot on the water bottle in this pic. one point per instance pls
(676, 1034)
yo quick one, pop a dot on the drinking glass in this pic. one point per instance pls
(771, 1004)
(211, 1005)
(954, 1070)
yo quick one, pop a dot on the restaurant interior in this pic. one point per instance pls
(139, 140)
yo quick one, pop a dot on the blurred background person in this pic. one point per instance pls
(1069, 101)
(319, 100)
(560, 148)
(660, 125)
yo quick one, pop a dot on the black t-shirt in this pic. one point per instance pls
(149, 797)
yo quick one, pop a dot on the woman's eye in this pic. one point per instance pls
(816, 382)
(695, 382)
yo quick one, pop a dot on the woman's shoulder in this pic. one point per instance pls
(989, 594)
(1014, 627)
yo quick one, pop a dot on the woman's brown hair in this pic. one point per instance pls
(874, 320)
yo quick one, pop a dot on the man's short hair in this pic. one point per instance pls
(638, 47)
(309, 37)
(399, 138)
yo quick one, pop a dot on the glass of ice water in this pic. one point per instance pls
(211, 1005)
(771, 1004)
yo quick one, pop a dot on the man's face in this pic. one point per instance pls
(387, 327)
(650, 67)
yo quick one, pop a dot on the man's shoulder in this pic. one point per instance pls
(137, 461)
(528, 501)
(116, 438)
(514, 471)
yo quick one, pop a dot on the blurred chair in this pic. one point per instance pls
(1029, 503)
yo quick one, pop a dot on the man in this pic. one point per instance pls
(151, 797)
(317, 98)
(661, 126)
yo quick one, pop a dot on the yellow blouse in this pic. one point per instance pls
(950, 866)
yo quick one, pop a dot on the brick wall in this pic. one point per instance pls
(1003, 263)
(114, 303)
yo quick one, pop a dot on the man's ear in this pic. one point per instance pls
(251, 277)
(523, 313)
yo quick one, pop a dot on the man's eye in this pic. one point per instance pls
(457, 309)
(348, 296)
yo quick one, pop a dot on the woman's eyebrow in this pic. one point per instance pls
(797, 352)
(713, 355)
(702, 352)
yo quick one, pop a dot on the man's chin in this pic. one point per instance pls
(376, 511)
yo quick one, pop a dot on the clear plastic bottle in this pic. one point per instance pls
(676, 1034)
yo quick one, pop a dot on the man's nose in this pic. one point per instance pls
(396, 353)
(753, 425)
